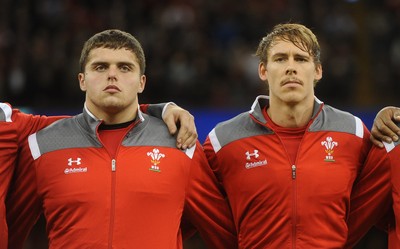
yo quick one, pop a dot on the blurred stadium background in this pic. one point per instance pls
(199, 55)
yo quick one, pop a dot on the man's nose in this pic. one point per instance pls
(112, 72)
(291, 68)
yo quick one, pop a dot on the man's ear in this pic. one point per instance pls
(262, 71)
(318, 72)
(82, 83)
(142, 83)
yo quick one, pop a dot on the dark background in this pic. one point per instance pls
(199, 55)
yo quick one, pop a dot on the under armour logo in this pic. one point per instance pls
(77, 161)
(249, 155)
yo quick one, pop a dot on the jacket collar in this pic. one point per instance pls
(262, 101)
(90, 122)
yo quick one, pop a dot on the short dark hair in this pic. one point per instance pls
(113, 39)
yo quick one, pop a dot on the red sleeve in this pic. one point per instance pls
(206, 208)
(394, 229)
(8, 154)
(15, 126)
(22, 203)
(370, 199)
(144, 107)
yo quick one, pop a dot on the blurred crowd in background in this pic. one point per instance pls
(199, 53)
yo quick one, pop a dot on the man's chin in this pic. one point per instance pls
(293, 98)
(113, 107)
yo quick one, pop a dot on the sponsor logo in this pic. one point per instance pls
(254, 155)
(155, 159)
(256, 164)
(76, 161)
(329, 145)
(72, 170)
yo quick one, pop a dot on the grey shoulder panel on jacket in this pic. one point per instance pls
(63, 134)
(332, 119)
(68, 133)
(239, 127)
(151, 132)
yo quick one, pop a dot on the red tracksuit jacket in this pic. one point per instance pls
(134, 200)
(23, 204)
(277, 204)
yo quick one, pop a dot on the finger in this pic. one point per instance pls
(381, 132)
(382, 128)
(397, 118)
(181, 137)
(376, 142)
(187, 133)
(190, 141)
(171, 125)
(187, 136)
(393, 130)
(385, 134)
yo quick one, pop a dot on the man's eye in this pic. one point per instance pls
(125, 68)
(302, 59)
(100, 68)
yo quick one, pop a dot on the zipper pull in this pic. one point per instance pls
(113, 165)
(293, 171)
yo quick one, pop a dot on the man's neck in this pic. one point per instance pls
(290, 116)
(111, 117)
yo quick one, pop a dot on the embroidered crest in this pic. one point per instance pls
(155, 159)
(329, 145)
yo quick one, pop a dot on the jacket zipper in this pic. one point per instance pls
(112, 210)
(293, 171)
(113, 182)
(113, 165)
(294, 210)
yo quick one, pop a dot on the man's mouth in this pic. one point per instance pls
(291, 82)
(112, 89)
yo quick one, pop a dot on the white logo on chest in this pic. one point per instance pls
(71, 170)
(329, 145)
(254, 155)
(156, 156)
(77, 161)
